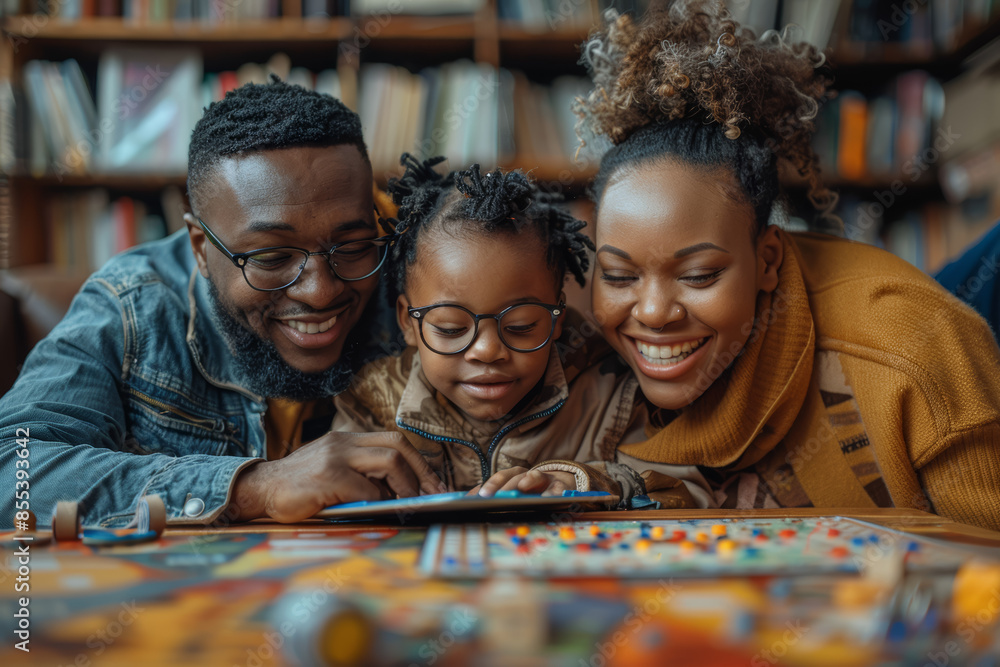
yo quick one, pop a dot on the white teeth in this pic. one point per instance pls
(312, 327)
(668, 355)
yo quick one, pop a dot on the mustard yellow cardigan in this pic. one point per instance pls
(864, 384)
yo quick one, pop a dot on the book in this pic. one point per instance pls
(154, 96)
(852, 135)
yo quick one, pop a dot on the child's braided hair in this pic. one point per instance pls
(688, 82)
(469, 201)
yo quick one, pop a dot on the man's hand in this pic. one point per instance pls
(336, 468)
(549, 483)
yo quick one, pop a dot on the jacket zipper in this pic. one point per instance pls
(214, 425)
(506, 429)
(483, 463)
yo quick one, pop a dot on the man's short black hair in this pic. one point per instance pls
(259, 117)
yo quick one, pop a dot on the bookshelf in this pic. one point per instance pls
(544, 46)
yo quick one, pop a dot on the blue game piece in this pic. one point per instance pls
(449, 560)
(897, 631)
(509, 493)
(913, 546)
(623, 545)
(755, 532)
(873, 538)
(750, 552)
(858, 541)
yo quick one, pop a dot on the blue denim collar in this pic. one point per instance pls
(209, 351)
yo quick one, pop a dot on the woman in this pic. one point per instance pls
(797, 369)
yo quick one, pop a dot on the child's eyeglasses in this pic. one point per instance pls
(523, 327)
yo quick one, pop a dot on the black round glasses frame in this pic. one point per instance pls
(419, 314)
(240, 259)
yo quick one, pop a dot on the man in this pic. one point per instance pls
(193, 375)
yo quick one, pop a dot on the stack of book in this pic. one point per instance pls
(87, 228)
(921, 27)
(469, 113)
(888, 136)
(812, 20)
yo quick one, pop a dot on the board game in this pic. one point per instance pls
(680, 548)
(387, 595)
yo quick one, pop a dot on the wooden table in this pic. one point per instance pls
(268, 594)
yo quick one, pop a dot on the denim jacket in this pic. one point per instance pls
(135, 368)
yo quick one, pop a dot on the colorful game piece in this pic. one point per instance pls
(523, 531)
(744, 550)
(719, 529)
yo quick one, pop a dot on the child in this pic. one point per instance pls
(798, 369)
(481, 390)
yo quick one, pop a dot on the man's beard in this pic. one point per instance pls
(260, 369)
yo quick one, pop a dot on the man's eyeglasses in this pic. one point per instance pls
(275, 268)
(523, 327)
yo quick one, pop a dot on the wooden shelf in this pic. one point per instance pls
(515, 33)
(112, 181)
(119, 30)
(850, 54)
(416, 28)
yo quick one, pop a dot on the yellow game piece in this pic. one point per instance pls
(657, 532)
(642, 545)
(725, 547)
(687, 546)
(567, 533)
(719, 529)
(522, 531)
(975, 592)
(594, 530)
(346, 639)
(701, 537)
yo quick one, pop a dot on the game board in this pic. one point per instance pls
(268, 595)
(461, 501)
(682, 548)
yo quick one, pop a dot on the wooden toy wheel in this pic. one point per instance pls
(157, 513)
(30, 524)
(66, 522)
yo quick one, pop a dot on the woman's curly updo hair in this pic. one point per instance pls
(688, 82)
(469, 202)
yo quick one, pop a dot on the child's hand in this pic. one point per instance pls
(550, 483)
